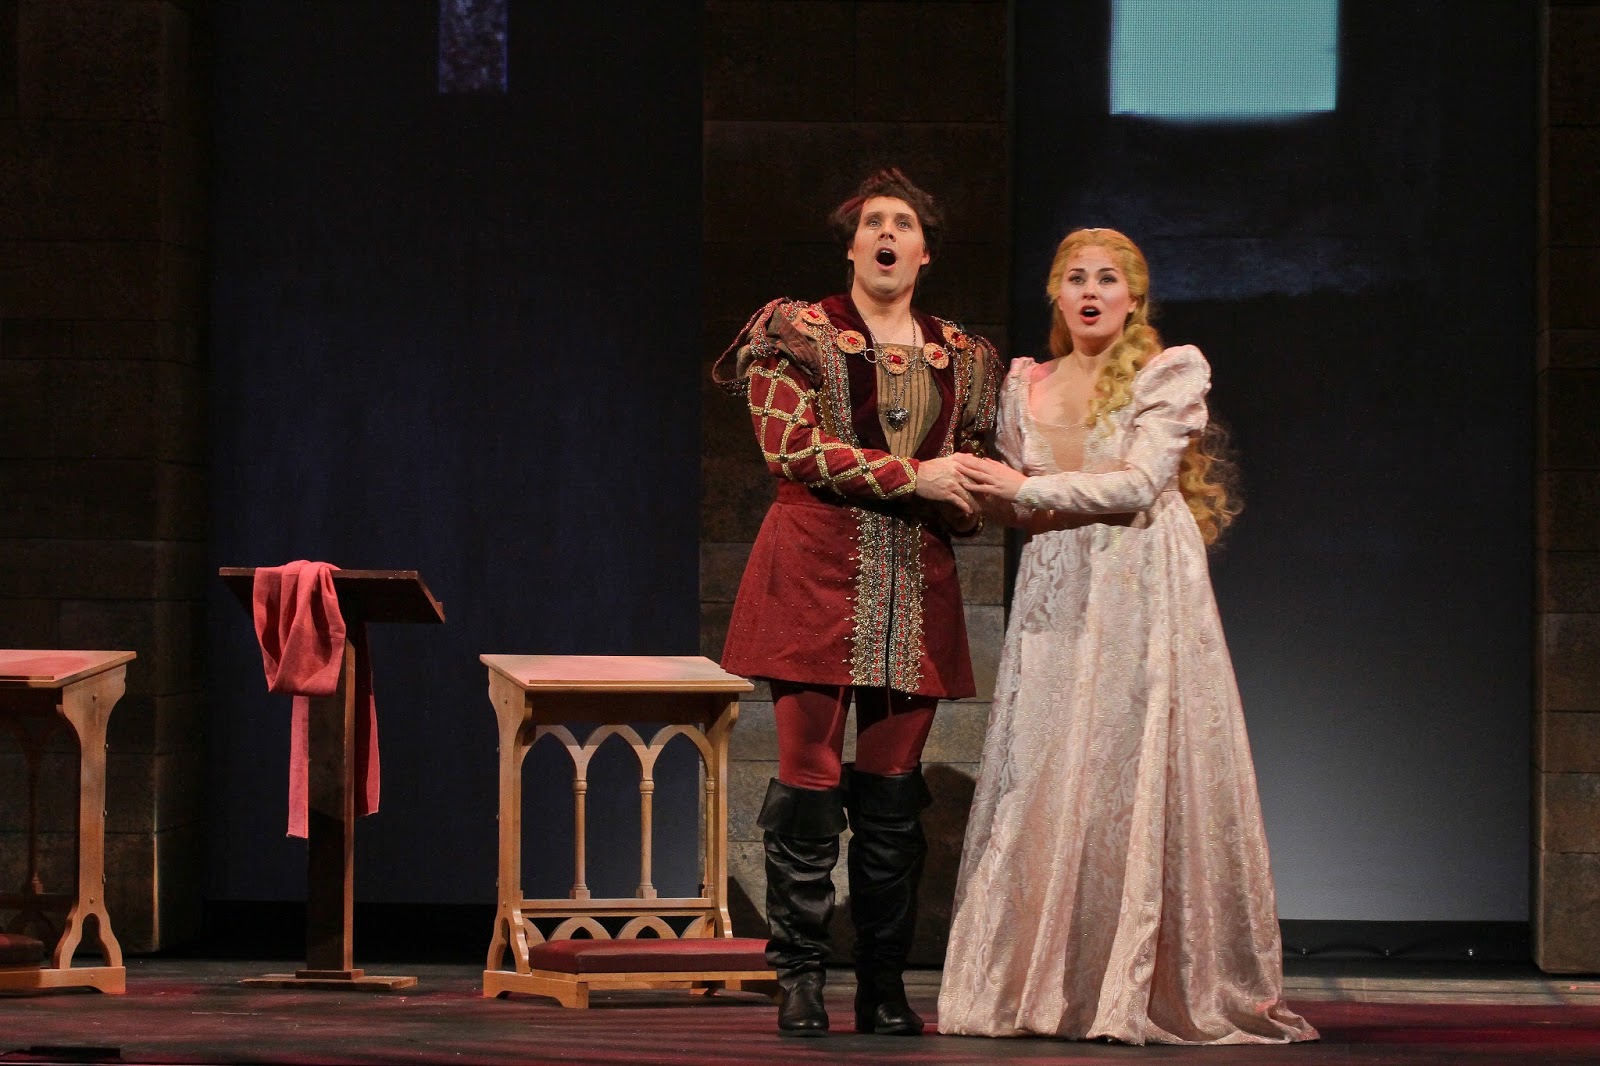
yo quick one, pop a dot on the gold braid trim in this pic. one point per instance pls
(886, 637)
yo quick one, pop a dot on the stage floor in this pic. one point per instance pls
(193, 1011)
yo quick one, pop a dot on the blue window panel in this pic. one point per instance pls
(472, 46)
(1230, 60)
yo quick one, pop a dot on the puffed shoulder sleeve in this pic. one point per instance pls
(1169, 401)
(1008, 421)
(1013, 393)
(773, 330)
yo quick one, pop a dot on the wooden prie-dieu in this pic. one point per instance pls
(78, 688)
(691, 697)
(364, 596)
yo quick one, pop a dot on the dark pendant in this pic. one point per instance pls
(896, 416)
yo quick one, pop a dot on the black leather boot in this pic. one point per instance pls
(887, 852)
(802, 828)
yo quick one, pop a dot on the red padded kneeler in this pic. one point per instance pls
(19, 950)
(649, 955)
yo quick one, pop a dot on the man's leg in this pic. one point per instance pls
(801, 821)
(885, 795)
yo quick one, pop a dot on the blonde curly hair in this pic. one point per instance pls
(1206, 476)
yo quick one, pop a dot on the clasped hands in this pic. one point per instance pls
(965, 482)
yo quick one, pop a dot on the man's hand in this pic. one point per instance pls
(987, 477)
(940, 481)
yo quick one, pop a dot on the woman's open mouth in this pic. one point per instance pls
(886, 257)
(1089, 314)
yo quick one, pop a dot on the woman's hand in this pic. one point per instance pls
(940, 481)
(988, 478)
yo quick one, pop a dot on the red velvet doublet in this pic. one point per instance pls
(852, 580)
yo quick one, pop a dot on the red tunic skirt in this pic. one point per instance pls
(802, 613)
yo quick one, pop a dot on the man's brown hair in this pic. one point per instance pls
(891, 181)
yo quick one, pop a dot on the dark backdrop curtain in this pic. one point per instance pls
(454, 333)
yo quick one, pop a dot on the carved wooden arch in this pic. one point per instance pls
(572, 925)
(652, 922)
(696, 737)
(647, 754)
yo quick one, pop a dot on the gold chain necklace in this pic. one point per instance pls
(899, 369)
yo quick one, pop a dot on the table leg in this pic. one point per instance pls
(510, 932)
(86, 705)
(720, 734)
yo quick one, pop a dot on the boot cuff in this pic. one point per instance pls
(808, 813)
(898, 794)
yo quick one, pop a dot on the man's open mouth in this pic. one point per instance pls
(886, 256)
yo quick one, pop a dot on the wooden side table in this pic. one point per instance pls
(81, 688)
(689, 696)
(364, 596)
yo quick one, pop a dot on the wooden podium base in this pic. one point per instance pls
(331, 981)
(109, 979)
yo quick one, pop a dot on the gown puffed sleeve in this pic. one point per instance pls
(1008, 440)
(779, 363)
(1169, 401)
(1008, 424)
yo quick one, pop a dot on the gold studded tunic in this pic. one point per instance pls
(852, 580)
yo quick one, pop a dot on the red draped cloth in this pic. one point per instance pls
(302, 635)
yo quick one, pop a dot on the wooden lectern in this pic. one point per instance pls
(364, 596)
(80, 687)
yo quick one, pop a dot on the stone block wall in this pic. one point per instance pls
(802, 100)
(1566, 749)
(103, 133)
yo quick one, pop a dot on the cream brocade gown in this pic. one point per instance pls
(1114, 881)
